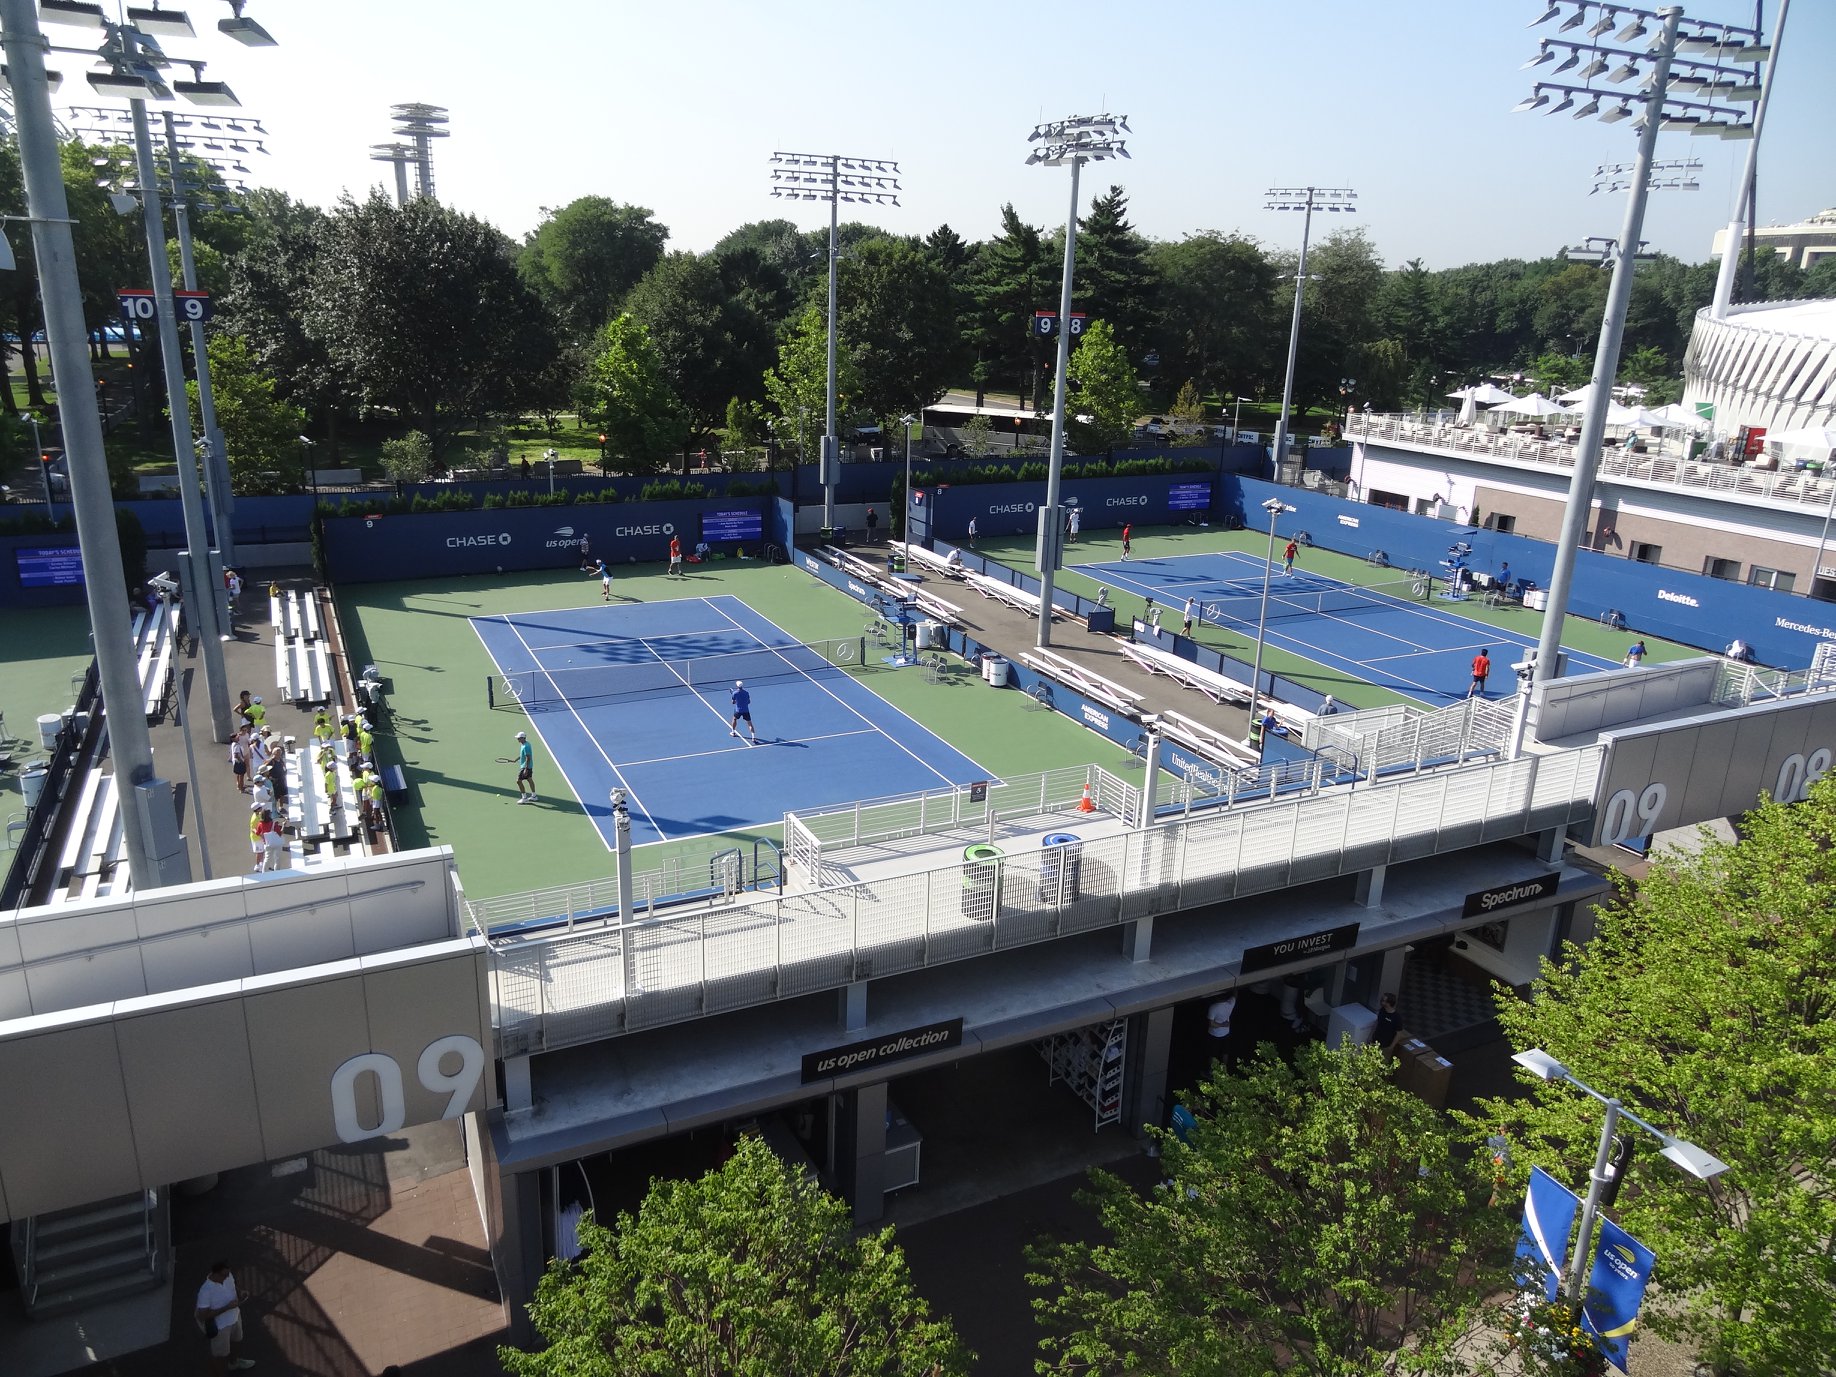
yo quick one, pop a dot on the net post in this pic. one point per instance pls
(490, 694)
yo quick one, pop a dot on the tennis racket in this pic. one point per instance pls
(506, 760)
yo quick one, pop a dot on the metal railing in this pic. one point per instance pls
(1401, 737)
(1661, 469)
(559, 991)
(1737, 685)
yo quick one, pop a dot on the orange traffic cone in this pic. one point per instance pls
(1084, 805)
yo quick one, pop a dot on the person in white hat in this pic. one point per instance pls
(525, 769)
(742, 710)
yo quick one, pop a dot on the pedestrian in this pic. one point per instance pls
(219, 1315)
(605, 579)
(372, 795)
(1635, 655)
(1389, 1023)
(255, 713)
(273, 841)
(257, 835)
(239, 758)
(241, 709)
(586, 546)
(972, 533)
(1504, 576)
(1077, 523)
(366, 740)
(1482, 668)
(742, 710)
(328, 775)
(675, 556)
(1217, 1023)
(873, 525)
(1128, 531)
(1287, 558)
(322, 729)
(525, 769)
(1185, 628)
(524, 468)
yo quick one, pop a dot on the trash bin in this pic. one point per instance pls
(32, 785)
(1061, 867)
(927, 635)
(1101, 621)
(49, 725)
(981, 881)
(996, 670)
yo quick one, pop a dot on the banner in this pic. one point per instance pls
(1615, 1290)
(1549, 1217)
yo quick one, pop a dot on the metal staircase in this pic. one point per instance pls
(73, 1259)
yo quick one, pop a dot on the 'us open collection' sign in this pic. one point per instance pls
(913, 1042)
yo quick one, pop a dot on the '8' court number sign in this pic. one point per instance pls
(1630, 815)
(139, 305)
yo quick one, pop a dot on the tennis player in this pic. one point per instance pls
(1482, 670)
(525, 757)
(1287, 557)
(605, 579)
(1128, 532)
(675, 556)
(742, 708)
(1186, 627)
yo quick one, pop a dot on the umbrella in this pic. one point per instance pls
(1648, 420)
(1810, 437)
(1583, 394)
(1536, 404)
(1469, 409)
(1485, 394)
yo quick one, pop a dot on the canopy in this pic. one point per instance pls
(1810, 437)
(1676, 416)
(1469, 409)
(1482, 394)
(1536, 404)
(1648, 420)
(1583, 394)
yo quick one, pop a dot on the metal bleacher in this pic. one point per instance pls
(302, 656)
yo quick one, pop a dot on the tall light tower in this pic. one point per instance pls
(834, 178)
(1065, 143)
(399, 155)
(420, 125)
(1685, 79)
(1306, 199)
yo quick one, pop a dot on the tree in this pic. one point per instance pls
(1217, 319)
(1318, 1219)
(713, 345)
(1010, 283)
(752, 1270)
(420, 307)
(1648, 368)
(1115, 275)
(1555, 374)
(261, 430)
(1704, 1004)
(797, 386)
(583, 258)
(1102, 386)
(899, 315)
(628, 394)
(1338, 315)
(408, 458)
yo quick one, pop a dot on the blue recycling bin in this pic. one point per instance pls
(1061, 867)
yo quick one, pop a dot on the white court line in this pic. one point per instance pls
(530, 715)
(851, 708)
(729, 750)
(625, 784)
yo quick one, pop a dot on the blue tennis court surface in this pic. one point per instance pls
(1421, 649)
(637, 696)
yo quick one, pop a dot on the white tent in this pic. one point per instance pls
(1486, 394)
(1676, 416)
(1536, 404)
(1469, 409)
(1583, 394)
(1815, 438)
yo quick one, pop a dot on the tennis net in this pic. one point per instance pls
(539, 690)
(1349, 599)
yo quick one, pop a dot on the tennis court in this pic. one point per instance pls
(636, 696)
(1399, 635)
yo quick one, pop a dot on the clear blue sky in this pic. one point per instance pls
(678, 107)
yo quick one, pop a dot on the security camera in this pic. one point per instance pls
(618, 799)
(164, 584)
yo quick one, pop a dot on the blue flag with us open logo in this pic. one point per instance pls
(1615, 1290)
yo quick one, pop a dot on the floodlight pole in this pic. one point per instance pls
(151, 821)
(205, 613)
(831, 442)
(1274, 507)
(1730, 250)
(216, 461)
(1312, 197)
(1050, 532)
(1606, 360)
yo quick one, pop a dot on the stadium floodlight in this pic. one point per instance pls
(1307, 200)
(1575, 20)
(817, 177)
(1622, 111)
(1065, 143)
(244, 30)
(165, 23)
(1604, 25)
(79, 14)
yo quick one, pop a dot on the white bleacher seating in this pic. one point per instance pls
(313, 631)
(1090, 684)
(1208, 741)
(1217, 687)
(277, 615)
(322, 687)
(1017, 598)
(283, 669)
(930, 560)
(82, 825)
(303, 669)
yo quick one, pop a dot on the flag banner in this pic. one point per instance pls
(1549, 1217)
(1615, 1290)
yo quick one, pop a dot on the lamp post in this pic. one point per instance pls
(1688, 87)
(1066, 143)
(307, 444)
(44, 461)
(549, 455)
(905, 516)
(1274, 507)
(819, 177)
(1685, 1155)
(1306, 199)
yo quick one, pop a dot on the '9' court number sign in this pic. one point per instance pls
(1629, 816)
(139, 305)
(385, 1074)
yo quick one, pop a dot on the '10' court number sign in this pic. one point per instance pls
(137, 304)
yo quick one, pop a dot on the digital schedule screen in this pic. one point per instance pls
(740, 525)
(50, 566)
(1189, 497)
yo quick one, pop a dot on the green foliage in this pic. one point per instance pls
(1104, 389)
(1034, 471)
(1703, 1002)
(759, 487)
(672, 490)
(628, 393)
(752, 1270)
(1218, 324)
(1649, 369)
(1558, 373)
(582, 259)
(746, 426)
(1116, 282)
(899, 313)
(711, 338)
(978, 436)
(1320, 1220)
(261, 432)
(408, 459)
(1012, 279)
(797, 386)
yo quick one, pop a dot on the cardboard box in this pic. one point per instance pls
(1433, 1078)
(1407, 1051)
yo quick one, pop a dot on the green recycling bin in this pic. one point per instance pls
(981, 881)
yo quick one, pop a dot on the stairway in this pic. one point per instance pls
(74, 1259)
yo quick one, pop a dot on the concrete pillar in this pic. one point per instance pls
(523, 1256)
(1369, 891)
(851, 1006)
(1551, 844)
(518, 1093)
(1389, 979)
(1144, 1087)
(860, 1150)
(1138, 939)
